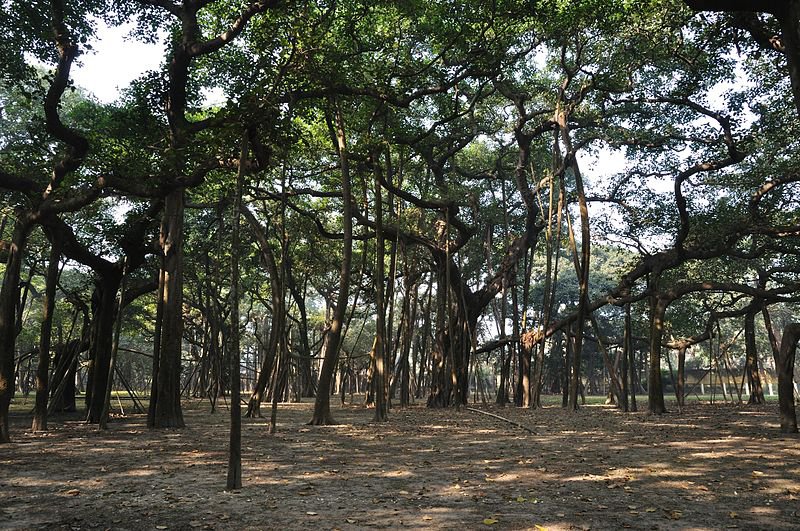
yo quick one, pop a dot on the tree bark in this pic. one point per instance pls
(751, 364)
(381, 352)
(102, 330)
(655, 390)
(9, 296)
(234, 480)
(168, 413)
(322, 404)
(785, 366)
(43, 370)
(278, 314)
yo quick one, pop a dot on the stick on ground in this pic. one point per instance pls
(515, 423)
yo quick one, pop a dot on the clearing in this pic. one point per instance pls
(707, 467)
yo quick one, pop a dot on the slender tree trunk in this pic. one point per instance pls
(278, 314)
(43, 370)
(680, 386)
(655, 391)
(631, 356)
(322, 406)
(234, 480)
(381, 353)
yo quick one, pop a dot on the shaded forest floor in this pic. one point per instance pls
(709, 467)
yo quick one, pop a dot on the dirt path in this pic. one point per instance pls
(710, 467)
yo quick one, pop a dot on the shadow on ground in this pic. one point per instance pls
(708, 467)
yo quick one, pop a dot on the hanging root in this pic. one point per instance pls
(515, 423)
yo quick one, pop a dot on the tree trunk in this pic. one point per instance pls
(751, 364)
(43, 370)
(105, 300)
(785, 366)
(381, 352)
(680, 385)
(655, 391)
(631, 356)
(322, 404)
(234, 480)
(278, 314)
(168, 413)
(9, 296)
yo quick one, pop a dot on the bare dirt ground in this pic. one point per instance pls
(709, 467)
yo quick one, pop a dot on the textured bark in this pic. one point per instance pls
(43, 370)
(380, 345)
(278, 314)
(751, 363)
(102, 330)
(680, 385)
(322, 404)
(785, 366)
(9, 296)
(234, 480)
(655, 390)
(167, 411)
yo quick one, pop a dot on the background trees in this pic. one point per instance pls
(440, 201)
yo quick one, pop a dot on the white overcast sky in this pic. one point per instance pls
(114, 62)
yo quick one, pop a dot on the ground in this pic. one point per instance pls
(707, 467)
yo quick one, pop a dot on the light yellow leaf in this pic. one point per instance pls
(521, 499)
(540, 527)
(733, 514)
(489, 521)
(650, 510)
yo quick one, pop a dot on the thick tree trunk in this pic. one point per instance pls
(785, 366)
(43, 370)
(168, 413)
(9, 296)
(105, 299)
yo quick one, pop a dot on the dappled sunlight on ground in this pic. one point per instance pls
(708, 467)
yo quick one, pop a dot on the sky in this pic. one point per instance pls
(114, 62)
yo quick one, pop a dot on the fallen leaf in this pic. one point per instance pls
(674, 515)
(733, 514)
(489, 521)
(521, 499)
(72, 492)
(161, 527)
(540, 527)
(311, 513)
(650, 510)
